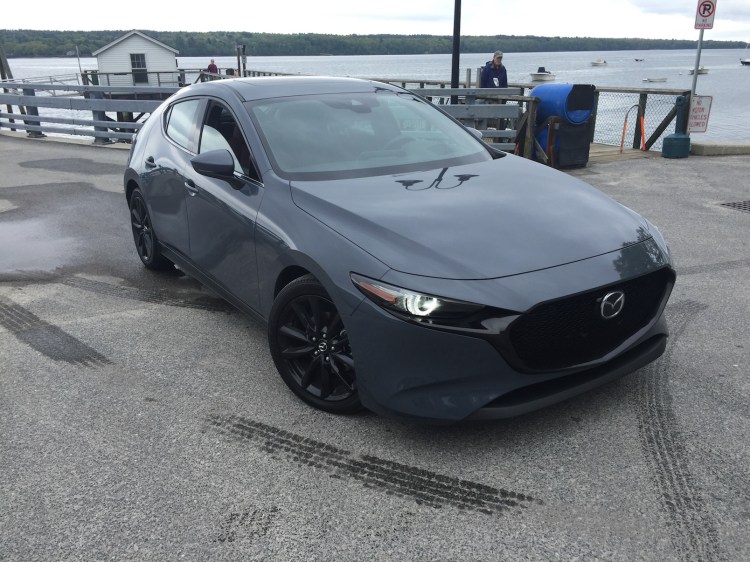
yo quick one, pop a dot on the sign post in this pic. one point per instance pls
(704, 19)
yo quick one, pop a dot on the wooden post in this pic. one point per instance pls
(6, 74)
(528, 144)
(641, 112)
(33, 111)
(98, 116)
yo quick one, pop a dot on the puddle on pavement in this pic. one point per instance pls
(33, 246)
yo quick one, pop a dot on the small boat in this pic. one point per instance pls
(598, 62)
(638, 60)
(654, 79)
(701, 70)
(542, 74)
(745, 60)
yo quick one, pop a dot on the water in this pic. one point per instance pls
(727, 80)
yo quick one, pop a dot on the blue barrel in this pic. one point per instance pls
(574, 103)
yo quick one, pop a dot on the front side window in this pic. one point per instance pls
(181, 122)
(222, 131)
(356, 134)
(138, 66)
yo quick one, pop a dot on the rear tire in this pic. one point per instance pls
(146, 243)
(310, 347)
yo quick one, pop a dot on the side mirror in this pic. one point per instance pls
(217, 164)
(475, 132)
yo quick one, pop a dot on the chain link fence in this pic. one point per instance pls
(617, 111)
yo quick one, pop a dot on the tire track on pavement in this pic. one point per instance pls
(425, 487)
(693, 533)
(213, 304)
(47, 339)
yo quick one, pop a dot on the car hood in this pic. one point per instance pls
(503, 217)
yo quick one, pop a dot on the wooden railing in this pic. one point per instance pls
(98, 100)
(482, 109)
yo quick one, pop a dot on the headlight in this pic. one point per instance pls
(660, 240)
(427, 309)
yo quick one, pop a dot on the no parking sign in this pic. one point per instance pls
(704, 14)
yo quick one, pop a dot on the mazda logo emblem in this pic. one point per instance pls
(612, 304)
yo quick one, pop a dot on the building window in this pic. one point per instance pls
(138, 64)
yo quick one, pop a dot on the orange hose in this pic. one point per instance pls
(643, 134)
(624, 128)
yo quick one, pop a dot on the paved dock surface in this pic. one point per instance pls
(141, 418)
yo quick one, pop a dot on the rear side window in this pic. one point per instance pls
(181, 123)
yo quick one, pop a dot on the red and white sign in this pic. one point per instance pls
(700, 109)
(704, 14)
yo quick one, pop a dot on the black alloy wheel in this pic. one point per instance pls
(146, 243)
(310, 347)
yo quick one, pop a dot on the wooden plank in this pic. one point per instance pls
(483, 111)
(472, 92)
(135, 90)
(147, 106)
(69, 121)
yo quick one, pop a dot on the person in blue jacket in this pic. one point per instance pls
(494, 73)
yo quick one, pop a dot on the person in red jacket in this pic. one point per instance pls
(212, 68)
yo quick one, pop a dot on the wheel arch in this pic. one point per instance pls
(289, 274)
(130, 185)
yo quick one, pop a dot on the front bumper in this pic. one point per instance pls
(412, 371)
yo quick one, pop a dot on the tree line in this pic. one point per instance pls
(34, 43)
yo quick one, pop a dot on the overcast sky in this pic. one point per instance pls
(652, 19)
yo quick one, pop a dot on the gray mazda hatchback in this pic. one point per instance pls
(401, 264)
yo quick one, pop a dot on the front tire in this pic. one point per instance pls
(146, 243)
(310, 347)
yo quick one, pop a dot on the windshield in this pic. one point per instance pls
(353, 135)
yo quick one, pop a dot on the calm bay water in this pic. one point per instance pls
(727, 80)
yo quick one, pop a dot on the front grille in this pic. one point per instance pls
(568, 332)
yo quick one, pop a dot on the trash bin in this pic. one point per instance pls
(565, 110)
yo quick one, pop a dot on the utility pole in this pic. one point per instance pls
(456, 47)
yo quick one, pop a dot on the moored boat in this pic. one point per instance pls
(542, 74)
(598, 62)
(661, 79)
(701, 70)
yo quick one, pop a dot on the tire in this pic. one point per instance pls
(310, 347)
(146, 243)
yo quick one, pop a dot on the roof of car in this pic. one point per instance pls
(281, 86)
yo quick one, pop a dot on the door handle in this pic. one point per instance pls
(192, 189)
(150, 162)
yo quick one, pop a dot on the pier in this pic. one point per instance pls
(87, 106)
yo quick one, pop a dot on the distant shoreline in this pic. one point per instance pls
(56, 44)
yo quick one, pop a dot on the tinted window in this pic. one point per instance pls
(181, 122)
(220, 130)
(349, 135)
